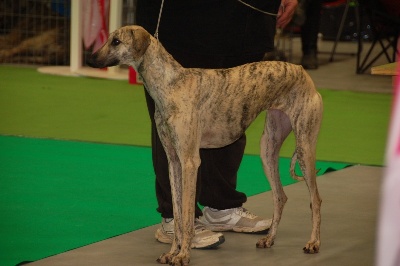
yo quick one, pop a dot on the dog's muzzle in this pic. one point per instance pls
(96, 62)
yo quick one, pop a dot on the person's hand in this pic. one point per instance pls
(285, 13)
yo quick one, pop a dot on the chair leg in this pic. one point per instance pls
(339, 33)
(341, 26)
(364, 66)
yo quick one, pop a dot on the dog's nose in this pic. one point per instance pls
(91, 61)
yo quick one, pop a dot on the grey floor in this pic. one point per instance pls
(349, 208)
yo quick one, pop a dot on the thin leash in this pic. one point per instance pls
(259, 10)
(240, 1)
(156, 34)
(159, 19)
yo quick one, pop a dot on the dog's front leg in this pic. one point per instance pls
(188, 153)
(175, 175)
(190, 165)
(182, 146)
(176, 191)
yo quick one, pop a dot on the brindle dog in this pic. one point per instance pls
(211, 108)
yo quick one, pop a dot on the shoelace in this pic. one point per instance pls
(245, 213)
(199, 227)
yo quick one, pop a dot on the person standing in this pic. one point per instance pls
(211, 34)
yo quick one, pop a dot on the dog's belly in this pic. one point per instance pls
(210, 140)
(222, 134)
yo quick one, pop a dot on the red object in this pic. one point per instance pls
(335, 3)
(133, 76)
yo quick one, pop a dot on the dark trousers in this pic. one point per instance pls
(310, 28)
(217, 175)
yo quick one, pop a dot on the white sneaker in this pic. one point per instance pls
(236, 219)
(203, 238)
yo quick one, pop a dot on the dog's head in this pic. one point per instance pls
(125, 46)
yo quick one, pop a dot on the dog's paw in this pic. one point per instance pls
(180, 260)
(265, 242)
(311, 247)
(165, 258)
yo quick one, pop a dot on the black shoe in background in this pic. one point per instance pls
(310, 60)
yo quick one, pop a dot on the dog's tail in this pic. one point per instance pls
(292, 168)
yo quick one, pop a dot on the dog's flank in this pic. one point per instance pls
(210, 108)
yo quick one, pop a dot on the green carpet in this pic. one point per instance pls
(354, 128)
(60, 195)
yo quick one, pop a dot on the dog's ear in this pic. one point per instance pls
(141, 40)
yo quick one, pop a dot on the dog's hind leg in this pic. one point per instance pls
(306, 133)
(308, 169)
(277, 128)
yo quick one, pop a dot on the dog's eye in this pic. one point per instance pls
(115, 42)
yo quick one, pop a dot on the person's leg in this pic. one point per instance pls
(218, 176)
(309, 34)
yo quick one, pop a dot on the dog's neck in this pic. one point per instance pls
(149, 61)
(157, 68)
(156, 61)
